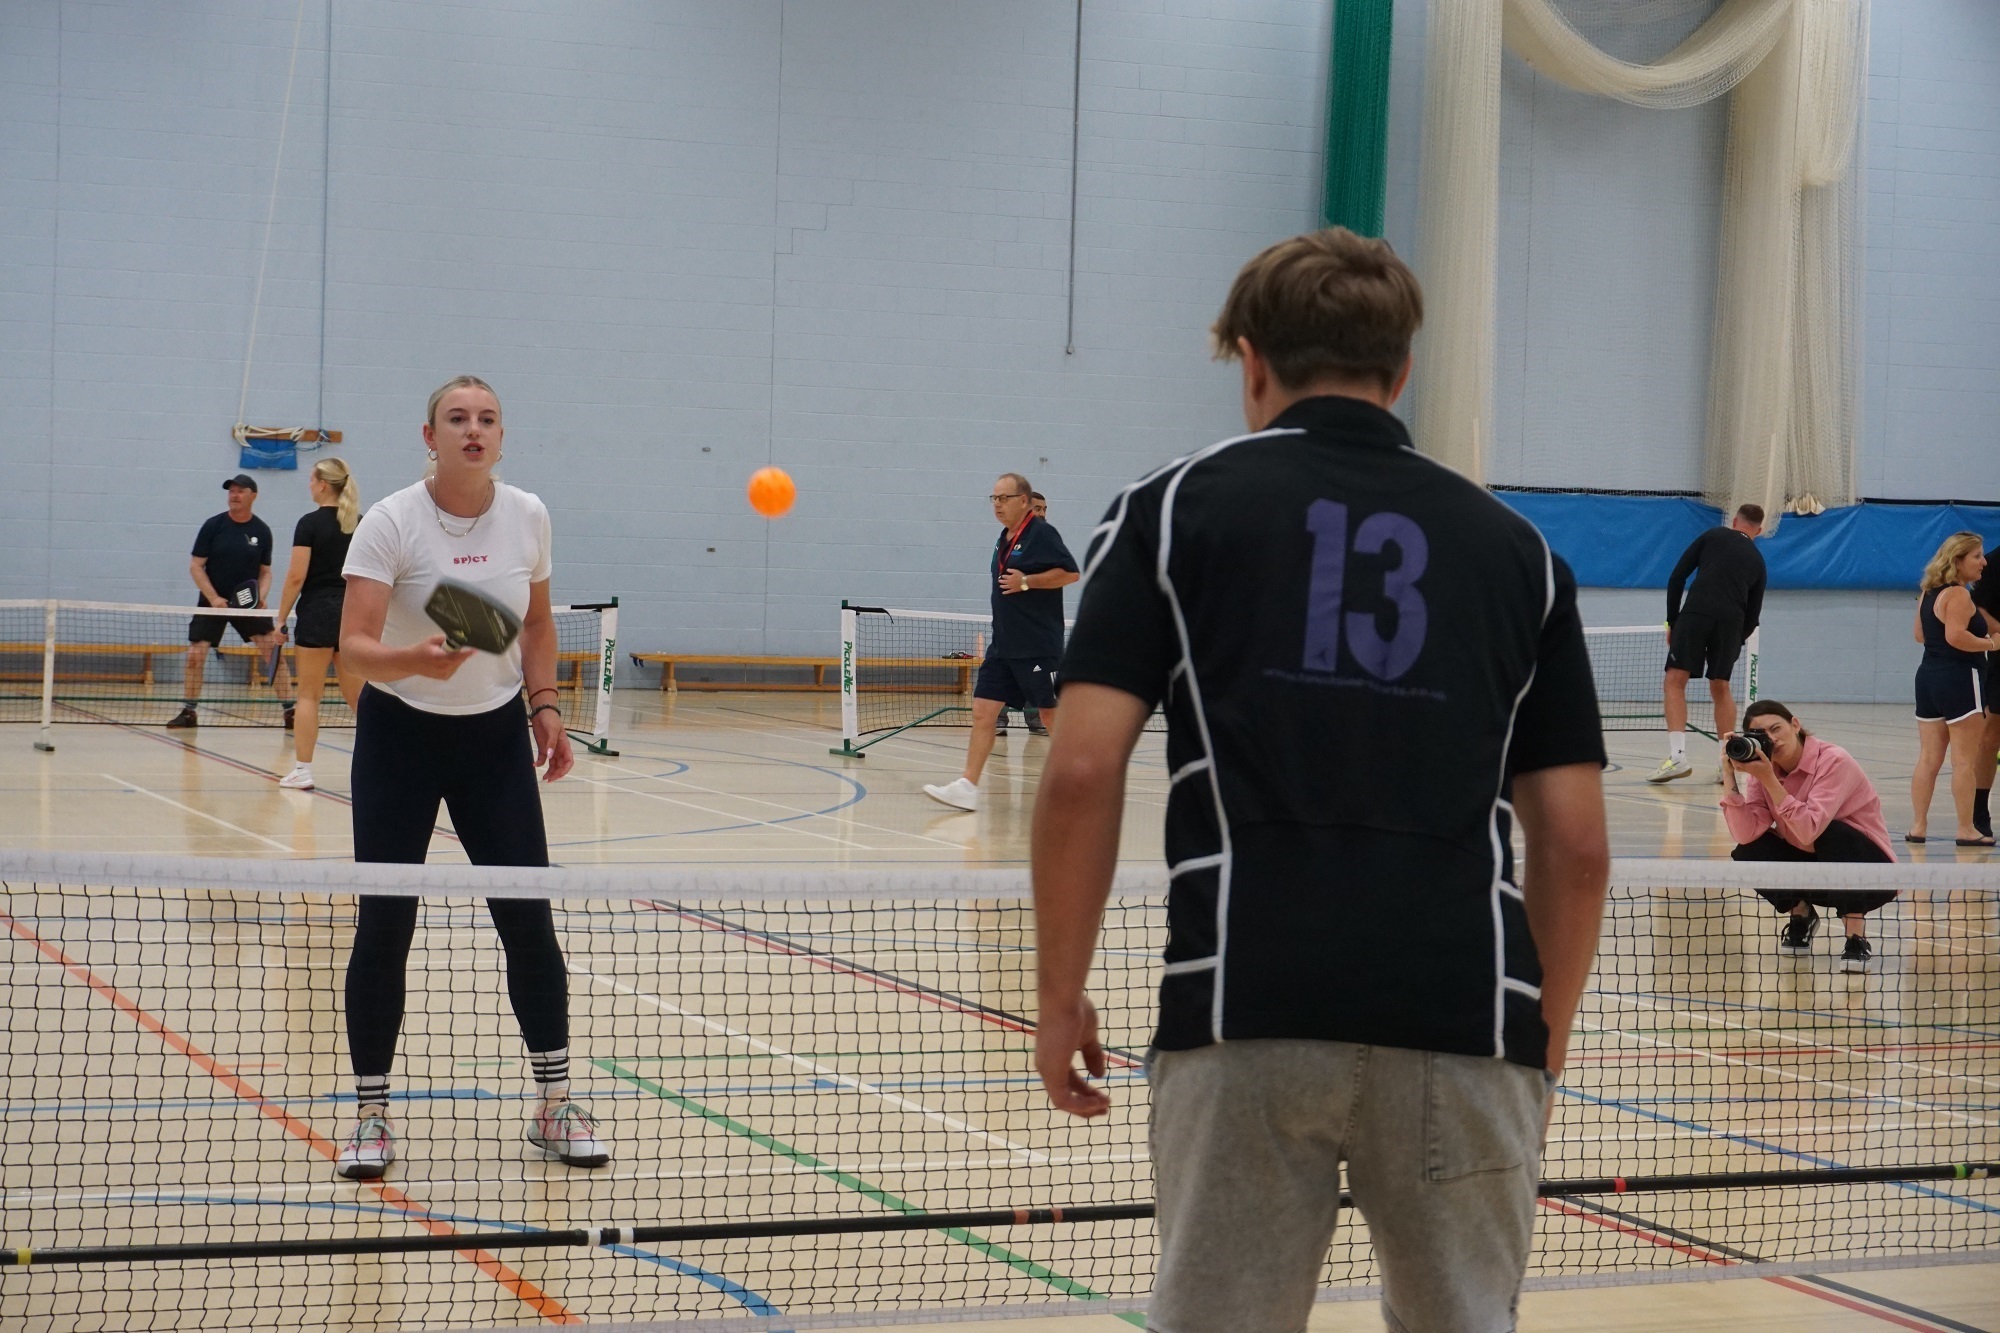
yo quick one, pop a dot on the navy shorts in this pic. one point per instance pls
(210, 629)
(1017, 682)
(318, 624)
(1948, 692)
(1704, 646)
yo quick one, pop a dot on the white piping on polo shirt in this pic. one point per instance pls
(1222, 859)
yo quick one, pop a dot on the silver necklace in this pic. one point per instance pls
(430, 489)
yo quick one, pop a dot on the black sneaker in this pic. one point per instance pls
(1854, 958)
(291, 715)
(184, 718)
(1798, 933)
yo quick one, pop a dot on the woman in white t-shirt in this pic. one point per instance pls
(436, 724)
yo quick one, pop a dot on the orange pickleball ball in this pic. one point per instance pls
(772, 491)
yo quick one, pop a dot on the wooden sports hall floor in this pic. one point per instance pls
(746, 778)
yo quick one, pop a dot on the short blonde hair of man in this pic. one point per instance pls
(1328, 305)
(1942, 571)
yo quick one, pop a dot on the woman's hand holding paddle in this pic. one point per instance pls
(436, 658)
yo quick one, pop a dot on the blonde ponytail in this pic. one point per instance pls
(347, 496)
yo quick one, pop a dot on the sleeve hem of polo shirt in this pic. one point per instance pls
(1559, 760)
(1114, 675)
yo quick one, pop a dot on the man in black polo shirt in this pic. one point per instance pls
(1031, 567)
(1705, 636)
(1372, 670)
(231, 566)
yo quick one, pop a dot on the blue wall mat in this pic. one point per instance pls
(1632, 541)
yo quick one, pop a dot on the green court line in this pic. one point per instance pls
(868, 1190)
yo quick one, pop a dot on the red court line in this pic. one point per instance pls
(1725, 1261)
(529, 1294)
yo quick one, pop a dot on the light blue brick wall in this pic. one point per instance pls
(687, 239)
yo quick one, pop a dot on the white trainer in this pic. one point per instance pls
(568, 1133)
(958, 794)
(368, 1150)
(1670, 769)
(299, 779)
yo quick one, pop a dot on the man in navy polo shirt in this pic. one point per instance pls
(1373, 672)
(1031, 567)
(231, 568)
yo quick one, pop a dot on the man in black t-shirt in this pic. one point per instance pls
(1705, 636)
(1029, 714)
(231, 567)
(1031, 567)
(1371, 669)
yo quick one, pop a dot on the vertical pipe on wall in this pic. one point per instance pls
(1357, 116)
(325, 209)
(1075, 138)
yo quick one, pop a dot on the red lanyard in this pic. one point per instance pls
(1013, 539)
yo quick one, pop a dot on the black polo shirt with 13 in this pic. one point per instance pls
(1029, 623)
(1358, 649)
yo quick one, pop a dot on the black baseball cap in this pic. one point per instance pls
(243, 479)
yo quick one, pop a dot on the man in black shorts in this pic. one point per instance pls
(1705, 636)
(1372, 671)
(1031, 567)
(231, 556)
(1031, 714)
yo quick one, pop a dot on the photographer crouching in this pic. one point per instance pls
(1806, 800)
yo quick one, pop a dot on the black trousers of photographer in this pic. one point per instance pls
(1839, 842)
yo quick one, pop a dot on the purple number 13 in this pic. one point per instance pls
(1385, 659)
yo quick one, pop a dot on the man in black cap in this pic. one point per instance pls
(231, 565)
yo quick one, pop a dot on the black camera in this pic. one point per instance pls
(1747, 747)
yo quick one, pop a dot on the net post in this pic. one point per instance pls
(46, 742)
(607, 670)
(850, 712)
(1750, 668)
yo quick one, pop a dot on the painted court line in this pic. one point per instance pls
(826, 1072)
(529, 1294)
(199, 814)
(794, 811)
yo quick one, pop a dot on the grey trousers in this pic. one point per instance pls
(1248, 1137)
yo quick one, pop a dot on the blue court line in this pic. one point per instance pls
(736, 1291)
(858, 794)
(1761, 1145)
(795, 1088)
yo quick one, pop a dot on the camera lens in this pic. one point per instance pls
(1741, 749)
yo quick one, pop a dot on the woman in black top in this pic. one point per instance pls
(1951, 684)
(313, 583)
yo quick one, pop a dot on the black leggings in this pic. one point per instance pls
(481, 766)
(1840, 841)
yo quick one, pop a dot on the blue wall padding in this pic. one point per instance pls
(1632, 541)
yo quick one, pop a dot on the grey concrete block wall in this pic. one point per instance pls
(687, 239)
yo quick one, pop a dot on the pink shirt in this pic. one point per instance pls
(1827, 785)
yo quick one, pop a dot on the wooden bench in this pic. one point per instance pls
(957, 670)
(141, 675)
(667, 662)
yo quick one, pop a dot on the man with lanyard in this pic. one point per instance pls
(1372, 671)
(231, 566)
(1031, 567)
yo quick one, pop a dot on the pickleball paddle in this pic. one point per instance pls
(471, 619)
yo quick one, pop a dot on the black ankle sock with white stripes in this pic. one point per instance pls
(372, 1090)
(551, 1070)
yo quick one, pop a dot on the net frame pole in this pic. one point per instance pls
(46, 742)
(598, 739)
(850, 707)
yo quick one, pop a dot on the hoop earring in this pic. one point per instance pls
(434, 455)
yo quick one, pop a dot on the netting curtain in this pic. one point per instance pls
(1785, 355)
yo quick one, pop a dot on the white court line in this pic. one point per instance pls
(1780, 1035)
(788, 809)
(1773, 1070)
(203, 814)
(830, 1074)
